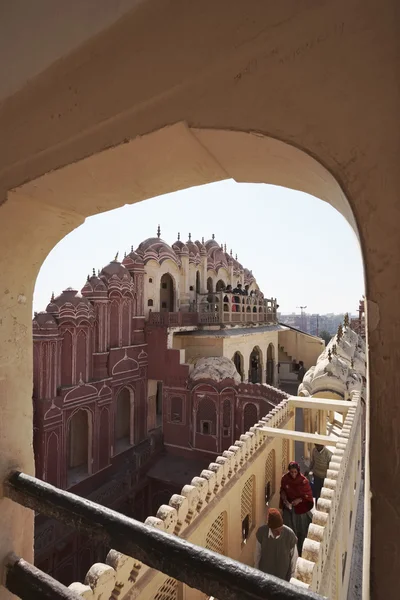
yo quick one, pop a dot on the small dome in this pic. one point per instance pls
(217, 368)
(43, 320)
(211, 244)
(68, 296)
(94, 286)
(179, 247)
(114, 268)
(133, 261)
(201, 247)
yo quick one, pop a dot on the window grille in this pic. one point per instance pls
(215, 539)
(285, 455)
(247, 507)
(168, 590)
(270, 476)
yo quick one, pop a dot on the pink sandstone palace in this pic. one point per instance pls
(154, 367)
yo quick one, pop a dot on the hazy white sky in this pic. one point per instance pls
(300, 249)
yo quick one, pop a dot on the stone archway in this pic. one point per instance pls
(239, 364)
(167, 293)
(255, 366)
(270, 376)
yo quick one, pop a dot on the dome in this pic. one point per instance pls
(133, 261)
(201, 247)
(94, 286)
(114, 268)
(68, 296)
(43, 320)
(155, 249)
(211, 244)
(217, 368)
(179, 247)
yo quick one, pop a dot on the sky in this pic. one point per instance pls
(300, 249)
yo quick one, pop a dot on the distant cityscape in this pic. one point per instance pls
(314, 324)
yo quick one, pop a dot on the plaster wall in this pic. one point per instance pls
(301, 346)
(154, 271)
(197, 347)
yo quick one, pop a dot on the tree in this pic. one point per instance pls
(326, 336)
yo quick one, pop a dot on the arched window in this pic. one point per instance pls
(66, 359)
(81, 356)
(114, 324)
(150, 302)
(176, 410)
(238, 362)
(78, 447)
(206, 418)
(167, 295)
(250, 416)
(198, 287)
(255, 366)
(247, 504)
(270, 364)
(123, 421)
(126, 323)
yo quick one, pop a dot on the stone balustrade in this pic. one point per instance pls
(326, 558)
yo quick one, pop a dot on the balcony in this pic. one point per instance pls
(220, 308)
(184, 547)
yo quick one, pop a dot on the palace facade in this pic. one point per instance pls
(156, 366)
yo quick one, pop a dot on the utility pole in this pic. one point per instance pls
(302, 308)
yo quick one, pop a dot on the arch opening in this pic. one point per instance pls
(167, 293)
(238, 361)
(255, 365)
(78, 447)
(123, 423)
(270, 376)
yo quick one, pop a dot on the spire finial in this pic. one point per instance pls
(98, 272)
(236, 257)
(225, 248)
(116, 256)
(179, 236)
(190, 237)
(94, 272)
(346, 321)
(52, 297)
(222, 248)
(213, 236)
(329, 355)
(124, 254)
(231, 252)
(132, 248)
(88, 277)
(158, 232)
(202, 240)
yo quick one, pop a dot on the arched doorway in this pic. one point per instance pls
(220, 286)
(255, 366)
(167, 293)
(78, 447)
(198, 284)
(270, 364)
(238, 362)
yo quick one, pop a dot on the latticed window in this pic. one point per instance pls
(250, 416)
(285, 455)
(168, 590)
(247, 507)
(215, 539)
(270, 476)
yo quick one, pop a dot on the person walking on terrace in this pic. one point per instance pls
(320, 459)
(296, 502)
(276, 547)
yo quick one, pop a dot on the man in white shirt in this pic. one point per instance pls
(276, 547)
